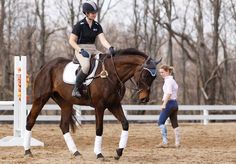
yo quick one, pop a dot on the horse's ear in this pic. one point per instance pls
(157, 62)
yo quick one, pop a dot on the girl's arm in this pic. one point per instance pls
(104, 41)
(73, 42)
(167, 98)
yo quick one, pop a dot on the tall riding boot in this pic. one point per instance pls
(177, 137)
(164, 142)
(80, 77)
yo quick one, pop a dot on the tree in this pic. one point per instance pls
(168, 5)
(45, 32)
(70, 12)
(211, 88)
(2, 49)
(103, 12)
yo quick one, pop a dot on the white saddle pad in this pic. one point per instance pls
(69, 76)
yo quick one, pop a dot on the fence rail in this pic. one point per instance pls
(204, 113)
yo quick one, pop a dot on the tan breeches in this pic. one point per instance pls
(85, 61)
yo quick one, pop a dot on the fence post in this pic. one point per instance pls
(205, 115)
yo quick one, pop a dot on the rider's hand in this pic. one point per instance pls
(112, 51)
(84, 53)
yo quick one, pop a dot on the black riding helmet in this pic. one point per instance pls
(90, 7)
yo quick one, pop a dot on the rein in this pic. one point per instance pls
(121, 83)
(104, 74)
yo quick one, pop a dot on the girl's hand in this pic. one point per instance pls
(163, 106)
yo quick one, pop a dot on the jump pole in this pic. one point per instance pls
(20, 109)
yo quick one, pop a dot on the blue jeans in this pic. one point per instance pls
(171, 111)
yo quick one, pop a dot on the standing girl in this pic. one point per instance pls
(169, 106)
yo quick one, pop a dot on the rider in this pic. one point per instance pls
(82, 39)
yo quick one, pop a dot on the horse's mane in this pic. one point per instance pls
(130, 51)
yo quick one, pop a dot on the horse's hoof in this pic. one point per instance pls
(28, 154)
(118, 153)
(77, 153)
(100, 157)
(116, 157)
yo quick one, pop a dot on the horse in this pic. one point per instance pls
(104, 93)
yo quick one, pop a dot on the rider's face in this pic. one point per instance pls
(92, 15)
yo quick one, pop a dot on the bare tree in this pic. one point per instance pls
(102, 11)
(7, 21)
(40, 12)
(70, 12)
(2, 49)
(45, 32)
(202, 58)
(184, 56)
(169, 5)
(136, 24)
(210, 83)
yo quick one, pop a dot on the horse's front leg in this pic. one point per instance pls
(99, 113)
(117, 111)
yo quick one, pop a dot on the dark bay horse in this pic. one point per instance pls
(104, 93)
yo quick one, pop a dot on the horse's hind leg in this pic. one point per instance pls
(117, 111)
(31, 118)
(66, 120)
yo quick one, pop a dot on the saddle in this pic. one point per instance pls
(72, 68)
(92, 64)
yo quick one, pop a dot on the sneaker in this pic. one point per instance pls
(162, 145)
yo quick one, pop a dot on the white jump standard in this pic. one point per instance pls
(19, 104)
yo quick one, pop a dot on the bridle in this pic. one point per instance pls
(145, 67)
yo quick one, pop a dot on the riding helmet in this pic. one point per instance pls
(89, 7)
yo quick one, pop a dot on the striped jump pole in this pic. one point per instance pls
(20, 109)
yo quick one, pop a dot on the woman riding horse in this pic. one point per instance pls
(82, 40)
(104, 93)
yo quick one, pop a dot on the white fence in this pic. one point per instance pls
(199, 113)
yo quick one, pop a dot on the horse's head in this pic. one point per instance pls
(144, 76)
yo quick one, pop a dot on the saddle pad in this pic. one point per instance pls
(69, 76)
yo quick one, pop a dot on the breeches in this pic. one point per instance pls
(85, 61)
(171, 111)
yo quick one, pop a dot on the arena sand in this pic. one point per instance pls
(212, 143)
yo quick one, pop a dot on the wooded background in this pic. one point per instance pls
(197, 37)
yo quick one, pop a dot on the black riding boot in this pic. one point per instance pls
(80, 77)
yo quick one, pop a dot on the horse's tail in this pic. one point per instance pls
(74, 121)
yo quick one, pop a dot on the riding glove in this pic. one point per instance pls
(84, 53)
(112, 51)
